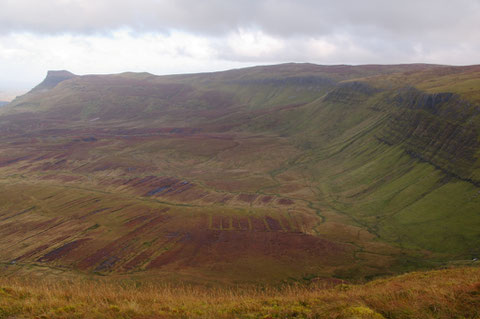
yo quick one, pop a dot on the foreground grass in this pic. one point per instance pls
(452, 293)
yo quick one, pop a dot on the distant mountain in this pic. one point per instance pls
(53, 78)
(290, 172)
(2, 103)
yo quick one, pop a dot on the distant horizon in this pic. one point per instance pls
(7, 94)
(164, 37)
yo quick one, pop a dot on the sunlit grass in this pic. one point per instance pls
(451, 293)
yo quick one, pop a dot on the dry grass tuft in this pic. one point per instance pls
(452, 293)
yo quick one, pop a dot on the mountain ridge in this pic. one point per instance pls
(53, 78)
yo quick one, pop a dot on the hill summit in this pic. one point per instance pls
(52, 79)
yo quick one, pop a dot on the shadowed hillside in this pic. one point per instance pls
(286, 173)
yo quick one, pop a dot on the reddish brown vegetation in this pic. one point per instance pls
(32, 252)
(266, 199)
(63, 250)
(247, 198)
(201, 247)
(285, 201)
(216, 222)
(226, 222)
(106, 257)
(137, 220)
(258, 224)
(138, 260)
(273, 224)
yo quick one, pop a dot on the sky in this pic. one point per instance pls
(187, 36)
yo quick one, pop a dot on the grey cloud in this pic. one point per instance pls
(278, 17)
(398, 29)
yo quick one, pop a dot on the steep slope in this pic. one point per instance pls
(52, 80)
(401, 162)
(288, 172)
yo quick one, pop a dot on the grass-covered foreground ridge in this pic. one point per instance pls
(450, 293)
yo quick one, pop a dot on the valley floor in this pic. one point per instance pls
(450, 293)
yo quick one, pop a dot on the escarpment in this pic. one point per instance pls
(436, 128)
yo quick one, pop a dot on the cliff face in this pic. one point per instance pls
(436, 128)
(351, 92)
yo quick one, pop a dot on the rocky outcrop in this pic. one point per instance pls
(52, 80)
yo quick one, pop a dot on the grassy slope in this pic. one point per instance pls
(287, 143)
(453, 293)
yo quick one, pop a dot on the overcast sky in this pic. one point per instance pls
(178, 36)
